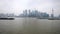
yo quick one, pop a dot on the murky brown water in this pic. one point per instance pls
(29, 26)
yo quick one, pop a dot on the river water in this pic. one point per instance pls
(29, 26)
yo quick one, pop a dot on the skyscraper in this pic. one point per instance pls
(52, 15)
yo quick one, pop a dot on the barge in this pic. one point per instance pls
(6, 18)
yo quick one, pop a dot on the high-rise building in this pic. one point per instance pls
(52, 15)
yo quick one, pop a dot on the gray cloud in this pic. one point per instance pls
(16, 6)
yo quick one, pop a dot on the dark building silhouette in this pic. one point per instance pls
(34, 13)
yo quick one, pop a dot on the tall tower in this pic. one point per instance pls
(52, 15)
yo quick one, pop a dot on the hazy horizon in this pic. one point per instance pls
(17, 6)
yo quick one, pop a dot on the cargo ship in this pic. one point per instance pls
(54, 19)
(6, 18)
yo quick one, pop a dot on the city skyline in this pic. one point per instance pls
(17, 6)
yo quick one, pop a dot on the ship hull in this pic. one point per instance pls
(6, 18)
(53, 19)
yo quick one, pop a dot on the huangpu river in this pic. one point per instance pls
(29, 26)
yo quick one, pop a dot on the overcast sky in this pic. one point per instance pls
(17, 6)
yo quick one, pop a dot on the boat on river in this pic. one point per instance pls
(7, 18)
